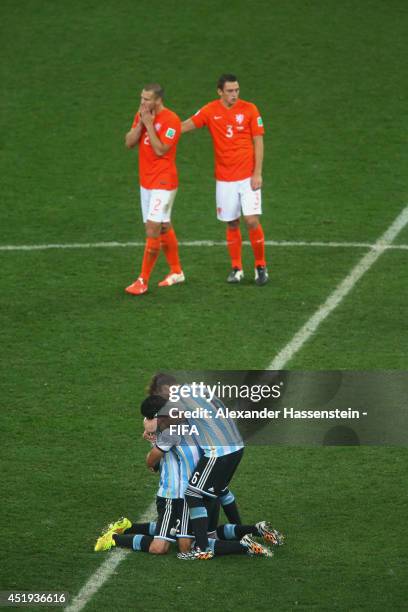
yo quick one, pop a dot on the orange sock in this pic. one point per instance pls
(151, 253)
(257, 239)
(234, 244)
(169, 244)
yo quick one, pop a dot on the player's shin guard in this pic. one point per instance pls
(234, 244)
(230, 507)
(256, 236)
(226, 532)
(142, 542)
(169, 244)
(198, 516)
(151, 253)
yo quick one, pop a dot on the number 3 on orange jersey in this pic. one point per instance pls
(229, 133)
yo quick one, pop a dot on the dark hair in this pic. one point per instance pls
(156, 89)
(151, 406)
(231, 78)
(158, 381)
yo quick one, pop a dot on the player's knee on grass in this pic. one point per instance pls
(184, 544)
(159, 547)
(152, 229)
(252, 221)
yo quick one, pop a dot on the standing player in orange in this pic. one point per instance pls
(237, 132)
(156, 130)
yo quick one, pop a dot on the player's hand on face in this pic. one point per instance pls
(150, 437)
(256, 181)
(142, 107)
(146, 115)
(142, 111)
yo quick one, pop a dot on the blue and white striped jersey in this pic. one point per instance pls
(217, 435)
(187, 450)
(169, 485)
(188, 458)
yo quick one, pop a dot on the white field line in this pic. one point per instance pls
(108, 567)
(195, 243)
(339, 293)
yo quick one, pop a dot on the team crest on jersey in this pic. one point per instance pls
(260, 122)
(170, 133)
(157, 126)
(239, 118)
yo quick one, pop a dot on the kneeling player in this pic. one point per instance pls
(184, 446)
(222, 447)
(173, 516)
(154, 537)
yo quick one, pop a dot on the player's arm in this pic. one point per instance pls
(198, 120)
(187, 126)
(256, 178)
(133, 136)
(154, 457)
(158, 146)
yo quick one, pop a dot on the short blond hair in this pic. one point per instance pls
(156, 89)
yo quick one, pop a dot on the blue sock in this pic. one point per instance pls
(136, 542)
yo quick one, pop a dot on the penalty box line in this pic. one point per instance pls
(108, 567)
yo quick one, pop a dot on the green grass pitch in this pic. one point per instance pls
(77, 352)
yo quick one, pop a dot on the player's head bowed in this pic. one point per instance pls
(160, 384)
(152, 405)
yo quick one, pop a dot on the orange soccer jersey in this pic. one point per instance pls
(232, 130)
(155, 171)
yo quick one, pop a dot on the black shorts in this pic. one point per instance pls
(167, 516)
(212, 475)
(184, 527)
